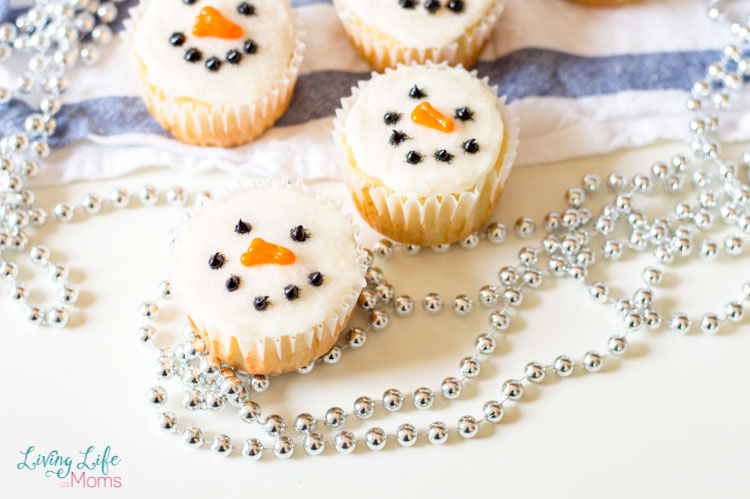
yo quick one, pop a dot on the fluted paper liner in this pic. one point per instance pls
(427, 220)
(199, 123)
(285, 353)
(383, 51)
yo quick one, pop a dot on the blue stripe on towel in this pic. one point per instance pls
(521, 74)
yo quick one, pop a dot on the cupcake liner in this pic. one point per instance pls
(383, 51)
(274, 355)
(427, 220)
(195, 122)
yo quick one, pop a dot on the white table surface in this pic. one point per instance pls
(670, 419)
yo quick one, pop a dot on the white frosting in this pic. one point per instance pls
(331, 249)
(271, 27)
(447, 89)
(417, 27)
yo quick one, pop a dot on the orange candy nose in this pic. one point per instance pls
(426, 115)
(211, 23)
(261, 252)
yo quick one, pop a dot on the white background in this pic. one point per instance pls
(670, 419)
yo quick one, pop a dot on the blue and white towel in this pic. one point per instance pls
(582, 81)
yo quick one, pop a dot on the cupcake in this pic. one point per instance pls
(387, 33)
(215, 73)
(425, 151)
(268, 275)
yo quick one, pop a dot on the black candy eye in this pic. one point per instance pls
(456, 5)
(464, 114)
(299, 234)
(316, 279)
(177, 39)
(261, 303)
(234, 57)
(189, 2)
(407, 4)
(413, 157)
(193, 55)
(471, 146)
(216, 261)
(391, 118)
(432, 6)
(213, 63)
(291, 292)
(443, 155)
(246, 9)
(397, 137)
(250, 47)
(417, 93)
(242, 227)
(233, 283)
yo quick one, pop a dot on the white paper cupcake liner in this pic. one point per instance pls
(381, 51)
(283, 353)
(427, 220)
(203, 124)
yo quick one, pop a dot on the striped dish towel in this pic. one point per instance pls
(582, 81)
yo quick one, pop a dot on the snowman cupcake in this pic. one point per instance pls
(215, 72)
(425, 151)
(391, 32)
(269, 276)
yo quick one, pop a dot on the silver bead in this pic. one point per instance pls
(432, 303)
(437, 433)
(57, 317)
(64, 212)
(563, 366)
(58, 272)
(468, 426)
(528, 256)
(39, 254)
(571, 219)
(485, 344)
(168, 422)
(369, 257)
(673, 183)
(148, 195)
(550, 243)
(222, 445)
(642, 183)
(733, 245)
(590, 183)
(193, 436)
(333, 355)
(34, 314)
(335, 417)
(214, 401)
(512, 389)
(592, 361)
(652, 319)
(412, 249)
(612, 249)
(305, 423)
(157, 395)
(120, 198)
(374, 276)
(680, 323)
(345, 442)
(106, 12)
(488, 296)
(633, 321)
(470, 242)
(525, 227)
(599, 292)
(375, 438)
(513, 297)
(147, 334)
(165, 290)
(507, 276)
(368, 299)
(260, 382)
(617, 345)
(379, 319)
(149, 310)
(393, 400)
(102, 34)
(499, 319)
(557, 266)
(534, 372)
(552, 221)
(356, 337)
(470, 367)
(616, 181)
(385, 292)
(252, 448)
(462, 305)
(575, 197)
(451, 387)
(664, 254)
(493, 411)
(403, 305)
(249, 412)
(708, 250)
(423, 398)
(441, 248)
(192, 400)
(406, 435)
(710, 323)
(383, 248)
(176, 196)
(734, 311)
(314, 444)
(496, 233)
(364, 407)
(651, 276)
(283, 448)
(274, 425)
(532, 278)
